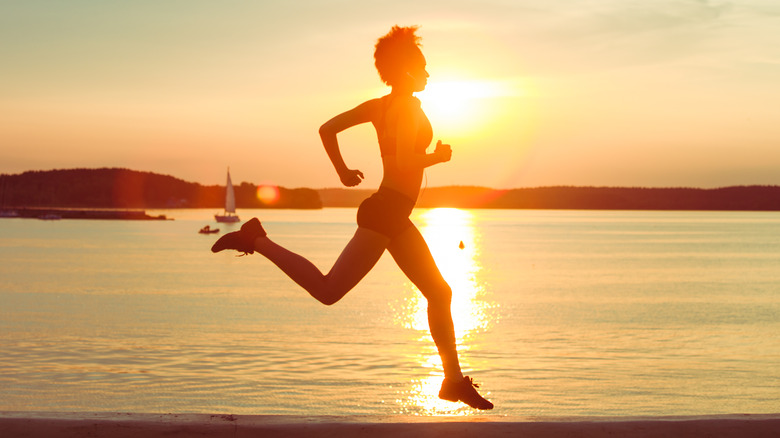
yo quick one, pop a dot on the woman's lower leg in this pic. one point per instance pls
(443, 334)
(298, 268)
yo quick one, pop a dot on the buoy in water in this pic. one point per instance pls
(461, 245)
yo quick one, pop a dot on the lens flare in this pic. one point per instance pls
(268, 194)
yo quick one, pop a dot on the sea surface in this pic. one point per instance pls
(557, 313)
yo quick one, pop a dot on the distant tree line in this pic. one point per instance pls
(123, 188)
(756, 198)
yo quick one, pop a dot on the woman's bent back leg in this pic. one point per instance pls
(358, 257)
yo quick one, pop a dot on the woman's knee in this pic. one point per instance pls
(329, 295)
(439, 294)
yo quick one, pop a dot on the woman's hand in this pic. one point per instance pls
(351, 177)
(443, 152)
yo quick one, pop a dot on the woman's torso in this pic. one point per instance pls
(388, 108)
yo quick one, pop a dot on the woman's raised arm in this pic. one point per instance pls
(328, 133)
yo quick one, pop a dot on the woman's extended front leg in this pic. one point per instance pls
(412, 255)
(414, 258)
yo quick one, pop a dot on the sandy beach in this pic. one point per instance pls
(121, 425)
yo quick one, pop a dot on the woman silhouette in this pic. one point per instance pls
(404, 134)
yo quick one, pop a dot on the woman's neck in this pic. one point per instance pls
(401, 92)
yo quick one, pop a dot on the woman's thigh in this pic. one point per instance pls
(411, 253)
(356, 260)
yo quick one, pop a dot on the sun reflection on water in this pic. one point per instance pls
(454, 243)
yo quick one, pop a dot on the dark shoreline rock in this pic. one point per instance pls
(69, 213)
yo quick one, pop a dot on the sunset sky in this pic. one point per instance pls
(528, 93)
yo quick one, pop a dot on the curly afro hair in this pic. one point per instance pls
(395, 51)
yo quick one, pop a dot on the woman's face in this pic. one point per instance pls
(417, 73)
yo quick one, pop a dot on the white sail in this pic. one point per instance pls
(230, 215)
(230, 196)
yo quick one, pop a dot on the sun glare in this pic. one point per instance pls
(461, 106)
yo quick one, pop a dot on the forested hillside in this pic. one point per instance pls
(123, 188)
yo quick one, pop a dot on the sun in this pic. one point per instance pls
(459, 106)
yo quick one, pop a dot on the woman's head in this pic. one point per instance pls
(398, 59)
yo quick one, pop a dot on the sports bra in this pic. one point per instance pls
(387, 142)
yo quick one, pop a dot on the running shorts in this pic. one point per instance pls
(386, 212)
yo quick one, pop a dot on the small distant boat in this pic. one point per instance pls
(208, 230)
(230, 204)
(50, 217)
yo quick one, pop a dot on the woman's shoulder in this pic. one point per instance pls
(371, 104)
(369, 109)
(391, 103)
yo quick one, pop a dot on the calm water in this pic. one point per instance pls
(557, 313)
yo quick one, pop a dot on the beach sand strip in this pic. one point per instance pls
(126, 425)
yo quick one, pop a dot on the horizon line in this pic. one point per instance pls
(3, 174)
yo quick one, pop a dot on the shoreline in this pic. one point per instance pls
(121, 425)
(46, 213)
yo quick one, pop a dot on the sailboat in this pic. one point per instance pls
(230, 204)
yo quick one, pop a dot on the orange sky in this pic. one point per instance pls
(584, 92)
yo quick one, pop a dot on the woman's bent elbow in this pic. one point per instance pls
(328, 301)
(328, 297)
(326, 130)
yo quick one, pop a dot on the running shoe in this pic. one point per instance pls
(242, 240)
(455, 390)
